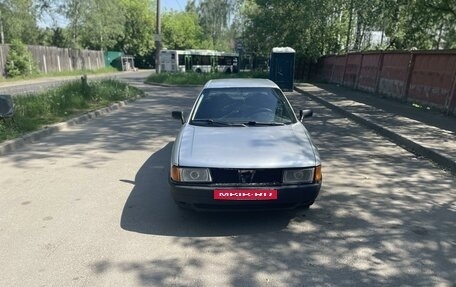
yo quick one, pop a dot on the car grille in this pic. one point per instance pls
(246, 176)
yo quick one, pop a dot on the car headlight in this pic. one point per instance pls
(302, 175)
(190, 174)
(318, 175)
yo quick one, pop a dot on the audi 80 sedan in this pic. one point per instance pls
(243, 147)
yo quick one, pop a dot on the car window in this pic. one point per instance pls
(242, 105)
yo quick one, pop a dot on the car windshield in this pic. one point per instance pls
(242, 107)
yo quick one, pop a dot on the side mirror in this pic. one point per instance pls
(178, 115)
(305, 114)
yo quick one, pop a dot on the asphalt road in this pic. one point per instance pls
(90, 206)
(42, 84)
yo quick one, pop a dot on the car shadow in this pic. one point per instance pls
(150, 209)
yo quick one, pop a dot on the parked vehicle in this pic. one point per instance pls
(200, 61)
(243, 147)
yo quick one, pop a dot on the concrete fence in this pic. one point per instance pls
(52, 59)
(425, 77)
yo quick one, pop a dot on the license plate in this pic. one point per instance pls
(245, 194)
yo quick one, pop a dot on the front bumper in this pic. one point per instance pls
(201, 197)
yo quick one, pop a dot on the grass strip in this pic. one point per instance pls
(192, 78)
(34, 111)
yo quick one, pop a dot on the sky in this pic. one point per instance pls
(177, 5)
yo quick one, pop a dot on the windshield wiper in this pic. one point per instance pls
(255, 123)
(216, 123)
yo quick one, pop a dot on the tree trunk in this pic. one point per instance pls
(358, 34)
(350, 12)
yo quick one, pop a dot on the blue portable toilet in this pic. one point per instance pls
(281, 67)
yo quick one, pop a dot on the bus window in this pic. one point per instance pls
(181, 60)
(205, 60)
(225, 61)
(196, 59)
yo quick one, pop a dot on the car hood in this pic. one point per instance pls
(245, 147)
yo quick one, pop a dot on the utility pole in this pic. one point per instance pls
(157, 37)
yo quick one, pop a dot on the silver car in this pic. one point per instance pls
(243, 147)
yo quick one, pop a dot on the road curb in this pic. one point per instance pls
(416, 148)
(15, 144)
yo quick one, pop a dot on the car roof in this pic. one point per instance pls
(241, 83)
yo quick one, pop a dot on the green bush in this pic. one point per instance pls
(19, 61)
(192, 78)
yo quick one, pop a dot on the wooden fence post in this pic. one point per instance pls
(45, 64)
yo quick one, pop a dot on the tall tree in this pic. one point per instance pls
(18, 21)
(125, 25)
(104, 24)
(139, 27)
(76, 11)
(59, 38)
(315, 28)
(299, 24)
(181, 30)
(191, 6)
(215, 16)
